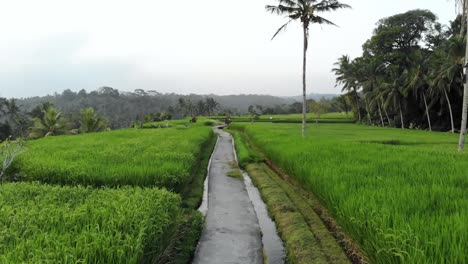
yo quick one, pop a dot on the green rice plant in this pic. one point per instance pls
(53, 224)
(161, 157)
(294, 118)
(400, 194)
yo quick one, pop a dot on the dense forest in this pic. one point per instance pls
(410, 74)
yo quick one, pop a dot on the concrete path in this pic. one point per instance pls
(232, 233)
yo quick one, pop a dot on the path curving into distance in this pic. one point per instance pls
(232, 233)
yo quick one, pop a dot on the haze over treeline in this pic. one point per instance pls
(123, 108)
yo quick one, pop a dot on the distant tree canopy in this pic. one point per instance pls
(122, 109)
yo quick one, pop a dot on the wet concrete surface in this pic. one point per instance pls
(232, 232)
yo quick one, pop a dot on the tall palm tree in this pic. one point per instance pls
(371, 71)
(461, 143)
(448, 70)
(393, 91)
(305, 11)
(418, 82)
(346, 75)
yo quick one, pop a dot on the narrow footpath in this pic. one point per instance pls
(232, 232)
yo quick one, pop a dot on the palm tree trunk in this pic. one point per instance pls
(461, 143)
(357, 104)
(464, 18)
(380, 113)
(427, 112)
(386, 113)
(304, 99)
(369, 121)
(401, 116)
(450, 109)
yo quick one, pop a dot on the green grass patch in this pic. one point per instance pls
(246, 153)
(235, 173)
(160, 157)
(304, 243)
(400, 194)
(294, 118)
(53, 224)
(192, 193)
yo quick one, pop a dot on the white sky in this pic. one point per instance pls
(185, 46)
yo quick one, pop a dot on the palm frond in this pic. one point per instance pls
(283, 27)
(281, 9)
(330, 5)
(320, 20)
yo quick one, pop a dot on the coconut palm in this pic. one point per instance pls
(346, 75)
(305, 11)
(461, 143)
(370, 80)
(91, 122)
(50, 125)
(418, 82)
(393, 92)
(448, 70)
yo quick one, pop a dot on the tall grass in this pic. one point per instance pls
(51, 224)
(401, 194)
(160, 157)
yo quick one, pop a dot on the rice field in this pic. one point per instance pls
(136, 157)
(295, 118)
(401, 194)
(53, 224)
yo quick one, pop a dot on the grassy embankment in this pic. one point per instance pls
(400, 194)
(127, 224)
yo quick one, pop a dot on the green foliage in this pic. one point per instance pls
(162, 158)
(401, 194)
(246, 153)
(46, 224)
(51, 124)
(8, 152)
(294, 118)
(91, 121)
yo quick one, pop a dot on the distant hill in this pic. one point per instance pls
(122, 108)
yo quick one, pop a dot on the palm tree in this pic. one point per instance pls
(371, 70)
(418, 82)
(461, 143)
(393, 91)
(50, 125)
(448, 69)
(346, 75)
(91, 122)
(305, 11)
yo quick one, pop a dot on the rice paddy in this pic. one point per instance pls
(52, 224)
(149, 157)
(400, 194)
(124, 196)
(294, 118)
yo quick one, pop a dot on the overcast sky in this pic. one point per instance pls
(186, 46)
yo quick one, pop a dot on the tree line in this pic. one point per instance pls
(61, 113)
(45, 120)
(410, 74)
